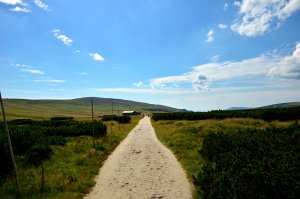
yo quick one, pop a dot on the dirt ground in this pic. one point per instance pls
(141, 167)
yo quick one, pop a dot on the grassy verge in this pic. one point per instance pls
(70, 171)
(185, 138)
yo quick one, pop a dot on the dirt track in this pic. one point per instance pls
(141, 167)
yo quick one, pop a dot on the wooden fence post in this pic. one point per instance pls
(10, 146)
(43, 177)
(112, 115)
(119, 119)
(92, 101)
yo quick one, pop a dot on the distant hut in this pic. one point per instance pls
(129, 113)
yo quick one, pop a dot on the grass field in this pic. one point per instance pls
(185, 138)
(80, 108)
(70, 171)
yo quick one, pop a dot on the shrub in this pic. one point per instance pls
(32, 139)
(39, 152)
(120, 119)
(61, 118)
(251, 164)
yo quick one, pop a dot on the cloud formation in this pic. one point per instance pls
(41, 4)
(138, 84)
(33, 71)
(256, 17)
(19, 9)
(50, 81)
(65, 39)
(215, 58)
(17, 4)
(222, 26)
(288, 67)
(96, 57)
(28, 69)
(263, 67)
(265, 70)
(210, 36)
(13, 2)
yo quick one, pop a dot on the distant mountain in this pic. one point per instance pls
(77, 108)
(237, 108)
(282, 105)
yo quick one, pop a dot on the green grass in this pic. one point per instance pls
(80, 108)
(185, 138)
(70, 171)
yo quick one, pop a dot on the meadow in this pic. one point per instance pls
(193, 141)
(210, 147)
(70, 169)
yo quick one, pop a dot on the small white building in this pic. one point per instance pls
(131, 113)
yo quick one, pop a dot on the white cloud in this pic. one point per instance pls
(65, 39)
(50, 81)
(144, 90)
(222, 26)
(237, 3)
(28, 69)
(215, 58)
(260, 16)
(33, 71)
(210, 36)
(41, 4)
(138, 84)
(18, 9)
(288, 67)
(13, 2)
(84, 73)
(266, 79)
(202, 76)
(96, 57)
(225, 6)
(56, 89)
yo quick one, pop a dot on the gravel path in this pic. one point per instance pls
(141, 167)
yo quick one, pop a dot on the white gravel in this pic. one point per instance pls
(141, 167)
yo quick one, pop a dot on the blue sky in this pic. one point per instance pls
(197, 55)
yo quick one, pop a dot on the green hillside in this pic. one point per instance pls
(78, 108)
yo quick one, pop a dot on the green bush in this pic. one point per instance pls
(39, 152)
(31, 140)
(251, 164)
(61, 118)
(121, 119)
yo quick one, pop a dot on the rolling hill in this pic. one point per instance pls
(282, 105)
(79, 108)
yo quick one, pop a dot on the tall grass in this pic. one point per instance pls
(70, 171)
(185, 138)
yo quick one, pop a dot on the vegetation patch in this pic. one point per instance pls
(121, 119)
(70, 161)
(185, 139)
(270, 114)
(251, 164)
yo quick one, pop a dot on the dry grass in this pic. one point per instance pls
(185, 138)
